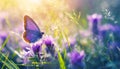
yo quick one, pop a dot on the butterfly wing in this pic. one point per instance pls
(32, 32)
(29, 24)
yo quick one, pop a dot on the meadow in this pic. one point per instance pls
(59, 34)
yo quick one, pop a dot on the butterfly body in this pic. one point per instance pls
(32, 32)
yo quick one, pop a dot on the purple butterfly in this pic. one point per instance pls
(32, 32)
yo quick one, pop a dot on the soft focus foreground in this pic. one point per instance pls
(78, 34)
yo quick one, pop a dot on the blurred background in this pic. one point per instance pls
(46, 12)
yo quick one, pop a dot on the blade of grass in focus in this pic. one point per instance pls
(6, 62)
(10, 64)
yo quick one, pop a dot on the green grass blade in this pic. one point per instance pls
(9, 63)
(4, 43)
(4, 59)
(61, 61)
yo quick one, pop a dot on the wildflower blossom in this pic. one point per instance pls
(108, 32)
(94, 21)
(30, 52)
(36, 48)
(3, 36)
(26, 56)
(49, 42)
(76, 59)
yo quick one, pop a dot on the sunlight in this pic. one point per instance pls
(35, 1)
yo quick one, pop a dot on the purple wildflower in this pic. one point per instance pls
(49, 42)
(108, 27)
(76, 56)
(94, 21)
(107, 32)
(30, 51)
(26, 56)
(36, 48)
(76, 59)
(3, 36)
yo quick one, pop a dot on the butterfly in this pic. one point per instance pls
(32, 32)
